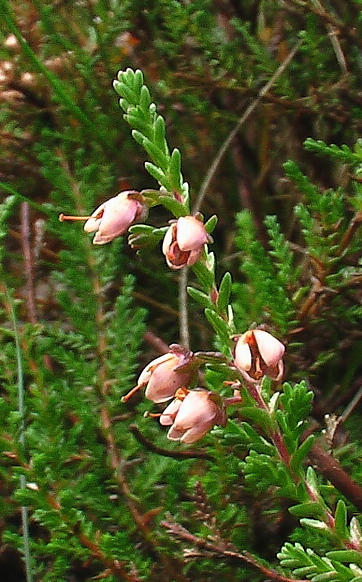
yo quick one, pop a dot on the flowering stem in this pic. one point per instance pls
(275, 434)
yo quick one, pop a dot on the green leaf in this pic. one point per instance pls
(352, 556)
(175, 168)
(138, 136)
(205, 276)
(138, 123)
(145, 99)
(138, 82)
(341, 518)
(172, 205)
(159, 136)
(219, 325)
(127, 93)
(224, 292)
(157, 155)
(258, 416)
(314, 523)
(309, 508)
(202, 298)
(326, 577)
(211, 224)
(301, 453)
(312, 481)
(155, 172)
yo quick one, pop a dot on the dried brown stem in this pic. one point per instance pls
(182, 455)
(331, 469)
(223, 550)
(28, 260)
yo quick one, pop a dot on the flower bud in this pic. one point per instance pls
(258, 354)
(192, 414)
(115, 216)
(184, 242)
(166, 374)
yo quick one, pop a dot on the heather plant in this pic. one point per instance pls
(214, 455)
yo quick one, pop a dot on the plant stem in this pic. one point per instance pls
(21, 411)
(225, 146)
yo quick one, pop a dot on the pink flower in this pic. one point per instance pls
(115, 216)
(184, 242)
(166, 374)
(258, 354)
(192, 415)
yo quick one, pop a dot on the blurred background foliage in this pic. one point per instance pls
(90, 318)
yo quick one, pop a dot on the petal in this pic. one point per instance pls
(163, 379)
(191, 233)
(242, 358)
(270, 349)
(196, 433)
(194, 256)
(93, 223)
(196, 408)
(168, 415)
(119, 213)
(175, 434)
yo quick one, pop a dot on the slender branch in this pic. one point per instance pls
(184, 318)
(182, 455)
(28, 260)
(225, 146)
(21, 410)
(331, 469)
(225, 551)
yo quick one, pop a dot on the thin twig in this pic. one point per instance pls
(225, 146)
(225, 551)
(331, 469)
(184, 316)
(182, 455)
(28, 260)
(21, 411)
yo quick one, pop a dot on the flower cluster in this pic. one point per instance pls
(193, 410)
(184, 240)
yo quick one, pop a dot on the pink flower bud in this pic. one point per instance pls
(166, 374)
(193, 415)
(258, 354)
(184, 242)
(115, 216)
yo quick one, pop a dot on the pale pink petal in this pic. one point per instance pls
(175, 434)
(168, 239)
(93, 223)
(119, 213)
(191, 233)
(168, 415)
(242, 357)
(194, 257)
(147, 371)
(196, 433)
(270, 349)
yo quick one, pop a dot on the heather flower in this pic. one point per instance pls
(192, 414)
(258, 354)
(184, 242)
(115, 216)
(165, 375)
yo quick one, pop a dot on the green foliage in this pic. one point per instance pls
(96, 486)
(266, 295)
(307, 564)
